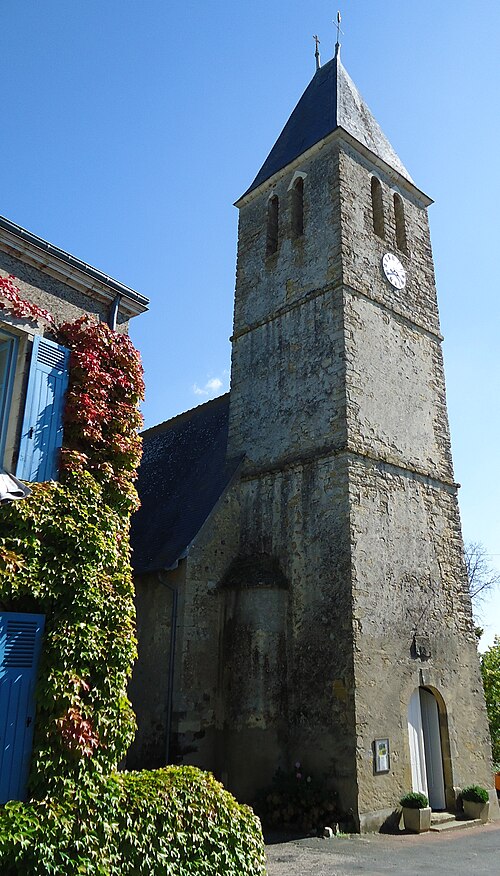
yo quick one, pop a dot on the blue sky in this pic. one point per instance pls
(131, 126)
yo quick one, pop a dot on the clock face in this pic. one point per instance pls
(394, 271)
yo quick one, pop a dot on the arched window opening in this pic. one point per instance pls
(298, 208)
(399, 215)
(272, 226)
(377, 207)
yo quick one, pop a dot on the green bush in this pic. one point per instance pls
(490, 672)
(414, 800)
(177, 821)
(475, 794)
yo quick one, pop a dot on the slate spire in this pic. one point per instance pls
(330, 101)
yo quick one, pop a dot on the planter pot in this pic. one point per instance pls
(476, 810)
(497, 781)
(417, 820)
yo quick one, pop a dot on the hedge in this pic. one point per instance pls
(176, 821)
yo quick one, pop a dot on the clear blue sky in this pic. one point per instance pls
(131, 126)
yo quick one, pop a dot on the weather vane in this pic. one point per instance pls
(339, 31)
(316, 54)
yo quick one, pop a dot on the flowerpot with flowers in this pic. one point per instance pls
(416, 812)
(476, 802)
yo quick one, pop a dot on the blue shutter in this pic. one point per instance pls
(20, 646)
(41, 434)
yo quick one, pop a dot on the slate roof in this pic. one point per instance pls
(330, 101)
(182, 475)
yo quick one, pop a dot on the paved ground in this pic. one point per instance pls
(468, 852)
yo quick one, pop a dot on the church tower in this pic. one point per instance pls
(347, 629)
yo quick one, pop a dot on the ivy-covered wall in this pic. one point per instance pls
(64, 553)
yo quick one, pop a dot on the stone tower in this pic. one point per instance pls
(347, 640)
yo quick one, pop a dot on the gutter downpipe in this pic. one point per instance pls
(113, 311)
(173, 628)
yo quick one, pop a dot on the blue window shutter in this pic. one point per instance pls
(20, 647)
(42, 430)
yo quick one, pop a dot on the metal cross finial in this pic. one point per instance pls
(316, 54)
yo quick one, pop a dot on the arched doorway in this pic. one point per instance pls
(425, 747)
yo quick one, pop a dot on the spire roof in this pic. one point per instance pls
(330, 101)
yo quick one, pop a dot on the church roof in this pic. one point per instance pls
(182, 475)
(330, 101)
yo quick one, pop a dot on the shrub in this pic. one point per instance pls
(177, 821)
(475, 794)
(490, 672)
(296, 801)
(414, 800)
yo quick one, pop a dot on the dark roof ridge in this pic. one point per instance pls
(184, 415)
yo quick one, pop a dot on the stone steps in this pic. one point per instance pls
(441, 821)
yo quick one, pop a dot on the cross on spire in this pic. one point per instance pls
(316, 54)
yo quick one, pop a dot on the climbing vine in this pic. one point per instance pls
(101, 412)
(11, 300)
(67, 557)
(64, 553)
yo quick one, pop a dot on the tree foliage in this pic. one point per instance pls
(482, 577)
(490, 671)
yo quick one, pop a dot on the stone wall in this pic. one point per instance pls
(287, 360)
(149, 687)
(195, 696)
(299, 516)
(408, 574)
(409, 581)
(64, 302)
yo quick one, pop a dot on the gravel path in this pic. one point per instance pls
(467, 852)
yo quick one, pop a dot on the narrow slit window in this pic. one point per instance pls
(399, 215)
(377, 207)
(298, 208)
(272, 226)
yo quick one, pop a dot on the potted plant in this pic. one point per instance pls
(416, 812)
(497, 778)
(476, 802)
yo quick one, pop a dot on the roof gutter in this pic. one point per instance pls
(65, 267)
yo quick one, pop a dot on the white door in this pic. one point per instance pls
(432, 746)
(417, 749)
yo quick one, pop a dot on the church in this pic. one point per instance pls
(301, 588)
